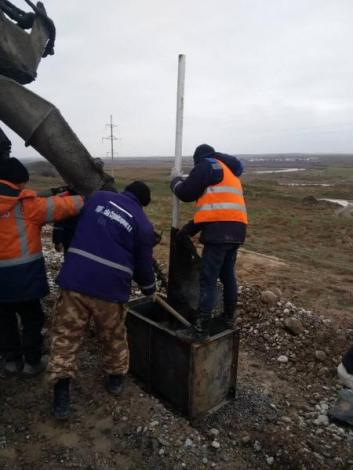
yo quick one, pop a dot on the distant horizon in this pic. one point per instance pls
(240, 155)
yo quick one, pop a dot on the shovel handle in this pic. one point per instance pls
(171, 310)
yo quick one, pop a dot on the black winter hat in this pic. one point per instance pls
(13, 170)
(203, 151)
(141, 191)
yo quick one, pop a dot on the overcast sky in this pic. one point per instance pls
(262, 76)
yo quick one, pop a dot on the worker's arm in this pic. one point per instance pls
(52, 209)
(191, 229)
(144, 273)
(201, 176)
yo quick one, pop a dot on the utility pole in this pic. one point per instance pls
(111, 137)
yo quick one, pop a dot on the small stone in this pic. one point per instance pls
(322, 420)
(163, 442)
(294, 326)
(205, 460)
(286, 419)
(213, 432)
(245, 439)
(154, 424)
(139, 429)
(277, 291)
(270, 460)
(268, 297)
(188, 443)
(323, 371)
(282, 359)
(320, 356)
(215, 444)
(161, 451)
(257, 446)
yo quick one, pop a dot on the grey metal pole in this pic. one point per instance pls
(179, 133)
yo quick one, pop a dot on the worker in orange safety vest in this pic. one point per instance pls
(23, 280)
(221, 217)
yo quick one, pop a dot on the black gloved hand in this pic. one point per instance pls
(59, 190)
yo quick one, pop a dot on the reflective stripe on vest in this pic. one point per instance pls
(25, 256)
(100, 260)
(50, 210)
(6, 263)
(222, 202)
(78, 201)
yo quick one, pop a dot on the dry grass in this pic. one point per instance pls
(316, 242)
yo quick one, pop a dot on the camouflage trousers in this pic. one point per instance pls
(71, 319)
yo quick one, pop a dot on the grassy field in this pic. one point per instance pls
(310, 236)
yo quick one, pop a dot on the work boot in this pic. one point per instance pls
(13, 367)
(228, 317)
(229, 321)
(31, 370)
(61, 402)
(113, 383)
(201, 326)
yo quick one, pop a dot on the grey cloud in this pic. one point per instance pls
(262, 76)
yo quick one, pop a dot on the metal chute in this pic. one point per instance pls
(37, 121)
(41, 125)
(22, 51)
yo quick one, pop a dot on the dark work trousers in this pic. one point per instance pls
(218, 262)
(24, 339)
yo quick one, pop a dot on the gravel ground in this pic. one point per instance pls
(279, 419)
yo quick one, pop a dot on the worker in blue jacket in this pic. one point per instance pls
(112, 246)
(221, 217)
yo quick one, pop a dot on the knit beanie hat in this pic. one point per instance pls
(203, 151)
(13, 170)
(141, 191)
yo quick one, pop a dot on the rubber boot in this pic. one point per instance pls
(13, 367)
(61, 405)
(229, 317)
(31, 370)
(113, 383)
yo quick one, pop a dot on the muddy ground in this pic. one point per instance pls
(278, 420)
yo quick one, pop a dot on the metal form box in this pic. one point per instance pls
(195, 377)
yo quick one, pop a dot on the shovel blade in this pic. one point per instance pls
(184, 274)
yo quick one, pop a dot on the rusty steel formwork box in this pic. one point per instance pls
(194, 377)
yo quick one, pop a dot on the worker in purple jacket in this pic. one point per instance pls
(112, 246)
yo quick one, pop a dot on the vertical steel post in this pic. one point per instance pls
(179, 133)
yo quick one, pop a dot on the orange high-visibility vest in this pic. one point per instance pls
(22, 215)
(222, 202)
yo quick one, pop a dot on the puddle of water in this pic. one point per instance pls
(340, 202)
(284, 170)
(325, 185)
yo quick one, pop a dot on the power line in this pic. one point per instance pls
(112, 138)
